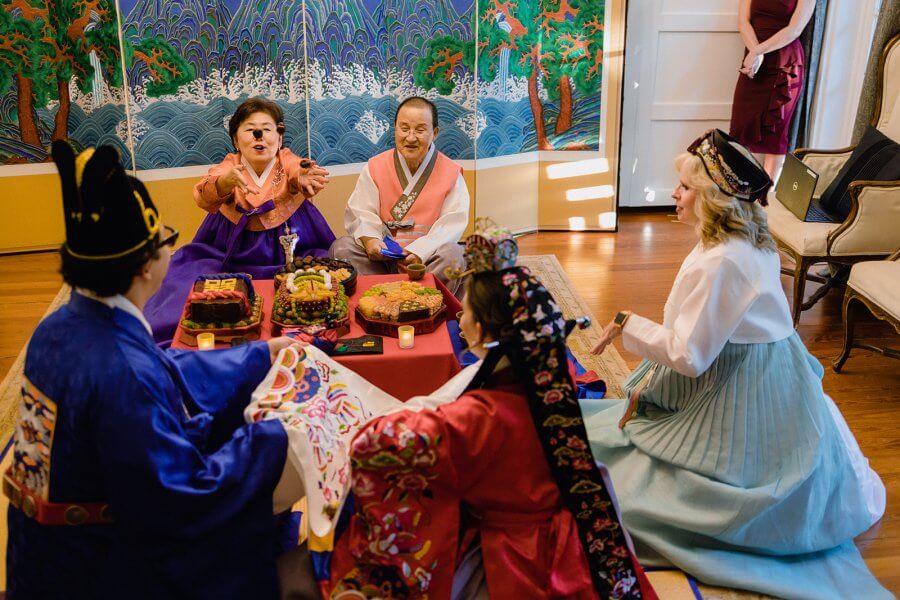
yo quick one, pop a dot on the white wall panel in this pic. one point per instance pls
(699, 6)
(681, 66)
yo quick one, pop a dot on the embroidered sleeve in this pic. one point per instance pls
(34, 440)
(404, 532)
(409, 472)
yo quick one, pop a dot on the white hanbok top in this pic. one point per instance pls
(362, 218)
(728, 293)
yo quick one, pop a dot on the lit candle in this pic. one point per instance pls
(406, 333)
(206, 341)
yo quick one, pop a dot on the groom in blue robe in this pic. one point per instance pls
(133, 474)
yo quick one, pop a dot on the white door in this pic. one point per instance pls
(681, 65)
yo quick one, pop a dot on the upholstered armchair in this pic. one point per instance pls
(876, 286)
(872, 229)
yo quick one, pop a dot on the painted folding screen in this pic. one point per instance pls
(337, 67)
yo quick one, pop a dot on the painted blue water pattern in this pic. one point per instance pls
(183, 134)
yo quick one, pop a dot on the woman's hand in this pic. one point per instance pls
(311, 180)
(235, 178)
(278, 344)
(607, 335)
(749, 66)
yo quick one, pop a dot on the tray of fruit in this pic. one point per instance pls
(340, 270)
(310, 302)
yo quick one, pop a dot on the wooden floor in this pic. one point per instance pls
(634, 270)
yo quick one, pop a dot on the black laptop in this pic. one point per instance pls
(795, 192)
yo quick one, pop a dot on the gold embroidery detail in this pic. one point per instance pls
(219, 285)
(81, 162)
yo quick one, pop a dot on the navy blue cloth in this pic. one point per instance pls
(875, 158)
(159, 436)
(321, 561)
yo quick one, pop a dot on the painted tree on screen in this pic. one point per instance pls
(555, 43)
(44, 45)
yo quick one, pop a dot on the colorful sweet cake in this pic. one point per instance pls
(400, 302)
(307, 298)
(340, 270)
(222, 301)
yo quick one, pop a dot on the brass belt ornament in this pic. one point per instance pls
(53, 513)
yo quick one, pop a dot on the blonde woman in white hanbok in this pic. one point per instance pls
(728, 459)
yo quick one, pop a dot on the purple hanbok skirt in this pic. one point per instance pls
(258, 253)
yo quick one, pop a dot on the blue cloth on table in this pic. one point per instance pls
(160, 436)
(325, 342)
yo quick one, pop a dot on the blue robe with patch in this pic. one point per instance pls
(160, 436)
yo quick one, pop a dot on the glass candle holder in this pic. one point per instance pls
(406, 336)
(206, 341)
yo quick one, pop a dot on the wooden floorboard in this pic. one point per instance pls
(28, 283)
(632, 269)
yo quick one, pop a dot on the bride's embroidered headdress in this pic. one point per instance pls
(732, 167)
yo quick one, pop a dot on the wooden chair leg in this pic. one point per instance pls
(801, 266)
(839, 277)
(849, 316)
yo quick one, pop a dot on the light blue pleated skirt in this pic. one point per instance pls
(745, 476)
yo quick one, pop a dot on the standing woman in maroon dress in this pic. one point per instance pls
(764, 100)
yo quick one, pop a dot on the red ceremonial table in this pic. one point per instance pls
(401, 373)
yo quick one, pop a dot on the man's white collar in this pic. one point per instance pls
(412, 179)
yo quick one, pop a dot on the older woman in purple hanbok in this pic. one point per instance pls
(253, 196)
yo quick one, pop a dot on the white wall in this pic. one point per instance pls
(681, 65)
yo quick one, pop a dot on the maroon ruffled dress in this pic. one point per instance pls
(763, 106)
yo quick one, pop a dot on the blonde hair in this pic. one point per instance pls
(720, 216)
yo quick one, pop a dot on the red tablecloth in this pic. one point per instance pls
(401, 373)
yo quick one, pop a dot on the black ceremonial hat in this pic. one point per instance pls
(109, 215)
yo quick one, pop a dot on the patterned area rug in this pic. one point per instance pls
(610, 366)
